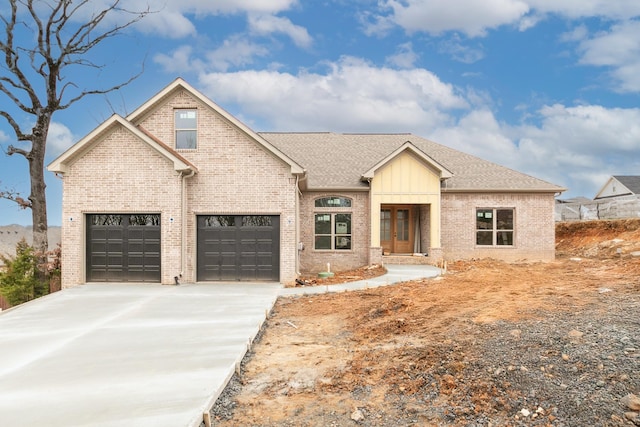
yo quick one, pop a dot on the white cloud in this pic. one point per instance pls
(269, 24)
(235, 51)
(577, 147)
(352, 96)
(173, 19)
(405, 57)
(179, 60)
(572, 9)
(618, 49)
(475, 17)
(472, 17)
(59, 139)
(459, 51)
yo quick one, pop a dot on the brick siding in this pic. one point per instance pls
(314, 261)
(534, 234)
(122, 174)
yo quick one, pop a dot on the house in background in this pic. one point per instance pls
(182, 190)
(619, 186)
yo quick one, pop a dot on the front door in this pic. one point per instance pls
(396, 229)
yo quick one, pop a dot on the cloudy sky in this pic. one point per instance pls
(547, 87)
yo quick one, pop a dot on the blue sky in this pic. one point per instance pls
(547, 87)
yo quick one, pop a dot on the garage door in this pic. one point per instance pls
(238, 247)
(123, 248)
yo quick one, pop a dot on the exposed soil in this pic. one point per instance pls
(487, 344)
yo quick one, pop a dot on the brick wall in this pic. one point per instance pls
(312, 260)
(120, 174)
(123, 174)
(534, 234)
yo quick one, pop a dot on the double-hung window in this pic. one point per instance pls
(332, 226)
(186, 127)
(494, 227)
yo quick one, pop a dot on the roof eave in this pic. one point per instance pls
(504, 190)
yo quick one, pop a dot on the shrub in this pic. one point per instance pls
(20, 279)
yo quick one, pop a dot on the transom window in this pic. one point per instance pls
(494, 227)
(333, 202)
(186, 125)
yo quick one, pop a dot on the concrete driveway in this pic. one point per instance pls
(125, 355)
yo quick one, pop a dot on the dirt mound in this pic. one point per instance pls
(490, 343)
(601, 239)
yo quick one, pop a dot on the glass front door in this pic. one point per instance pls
(396, 230)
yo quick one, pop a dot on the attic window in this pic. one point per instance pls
(186, 125)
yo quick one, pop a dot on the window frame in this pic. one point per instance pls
(497, 240)
(177, 130)
(333, 213)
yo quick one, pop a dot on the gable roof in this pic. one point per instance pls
(408, 147)
(179, 84)
(632, 182)
(60, 164)
(339, 161)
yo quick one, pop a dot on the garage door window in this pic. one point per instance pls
(215, 221)
(143, 220)
(106, 220)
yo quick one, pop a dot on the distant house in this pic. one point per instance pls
(182, 190)
(619, 186)
(618, 198)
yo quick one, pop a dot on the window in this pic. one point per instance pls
(333, 202)
(494, 227)
(333, 231)
(186, 125)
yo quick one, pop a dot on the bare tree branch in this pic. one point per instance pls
(14, 196)
(33, 76)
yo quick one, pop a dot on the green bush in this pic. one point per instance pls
(20, 278)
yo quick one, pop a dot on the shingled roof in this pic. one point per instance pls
(632, 182)
(338, 161)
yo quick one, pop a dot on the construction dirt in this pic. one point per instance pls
(487, 344)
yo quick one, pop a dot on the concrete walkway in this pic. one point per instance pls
(395, 274)
(125, 355)
(115, 355)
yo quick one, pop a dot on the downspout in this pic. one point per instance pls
(183, 222)
(299, 246)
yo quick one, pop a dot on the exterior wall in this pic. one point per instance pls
(235, 176)
(406, 180)
(613, 188)
(534, 233)
(120, 174)
(314, 261)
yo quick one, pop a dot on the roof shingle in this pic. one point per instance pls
(337, 161)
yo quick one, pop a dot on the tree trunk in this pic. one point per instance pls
(38, 196)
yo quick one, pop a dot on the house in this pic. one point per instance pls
(180, 190)
(619, 186)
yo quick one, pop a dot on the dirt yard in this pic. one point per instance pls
(487, 344)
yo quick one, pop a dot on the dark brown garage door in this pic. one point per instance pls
(123, 248)
(238, 247)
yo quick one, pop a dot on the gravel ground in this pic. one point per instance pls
(564, 369)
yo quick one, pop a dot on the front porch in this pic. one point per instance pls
(409, 259)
